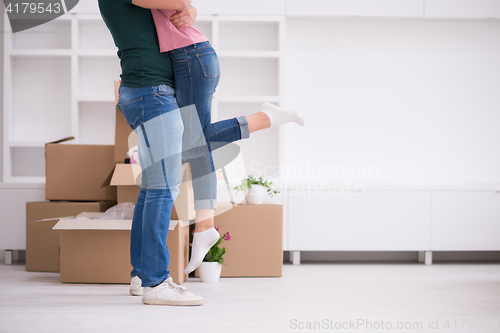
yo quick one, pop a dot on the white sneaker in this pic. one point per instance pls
(135, 286)
(169, 293)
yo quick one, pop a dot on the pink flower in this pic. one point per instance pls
(227, 236)
(217, 228)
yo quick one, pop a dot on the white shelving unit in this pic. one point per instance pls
(58, 82)
(55, 85)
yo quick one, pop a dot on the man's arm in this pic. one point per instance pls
(185, 18)
(178, 5)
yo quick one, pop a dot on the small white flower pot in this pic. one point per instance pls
(210, 271)
(255, 195)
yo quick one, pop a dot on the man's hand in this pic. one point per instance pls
(185, 18)
(163, 4)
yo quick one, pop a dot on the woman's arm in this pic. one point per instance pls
(179, 5)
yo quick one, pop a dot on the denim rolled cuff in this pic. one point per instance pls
(205, 204)
(245, 131)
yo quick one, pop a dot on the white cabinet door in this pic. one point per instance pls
(465, 221)
(372, 221)
(382, 8)
(232, 7)
(13, 208)
(462, 8)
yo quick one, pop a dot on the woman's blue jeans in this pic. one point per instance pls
(196, 73)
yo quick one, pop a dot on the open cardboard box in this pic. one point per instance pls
(75, 172)
(42, 243)
(127, 176)
(95, 250)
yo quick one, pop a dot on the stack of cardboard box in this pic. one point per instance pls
(74, 174)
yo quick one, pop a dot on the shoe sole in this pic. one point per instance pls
(171, 303)
(136, 292)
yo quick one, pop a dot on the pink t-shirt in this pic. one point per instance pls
(170, 37)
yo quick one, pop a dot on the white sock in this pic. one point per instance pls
(279, 116)
(202, 242)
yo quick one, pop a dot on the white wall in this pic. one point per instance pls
(1, 89)
(417, 99)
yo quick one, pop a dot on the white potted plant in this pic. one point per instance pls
(255, 189)
(211, 266)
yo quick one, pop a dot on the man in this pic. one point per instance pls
(148, 103)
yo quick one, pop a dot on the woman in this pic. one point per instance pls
(147, 101)
(196, 75)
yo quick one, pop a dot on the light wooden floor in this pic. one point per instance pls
(326, 294)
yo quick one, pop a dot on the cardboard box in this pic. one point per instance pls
(75, 172)
(125, 176)
(98, 251)
(256, 245)
(42, 243)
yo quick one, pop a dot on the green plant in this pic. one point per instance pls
(215, 253)
(251, 180)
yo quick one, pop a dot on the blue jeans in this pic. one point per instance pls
(154, 115)
(196, 74)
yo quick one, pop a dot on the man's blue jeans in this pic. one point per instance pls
(196, 73)
(154, 115)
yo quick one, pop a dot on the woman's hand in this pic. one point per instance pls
(185, 18)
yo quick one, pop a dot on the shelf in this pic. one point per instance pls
(40, 53)
(23, 185)
(94, 35)
(96, 123)
(249, 77)
(26, 144)
(97, 53)
(247, 99)
(28, 161)
(42, 113)
(250, 19)
(24, 180)
(96, 76)
(85, 16)
(241, 36)
(96, 98)
(248, 54)
(53, 35)
(39, 17)
(204, 18)
(205, 27)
